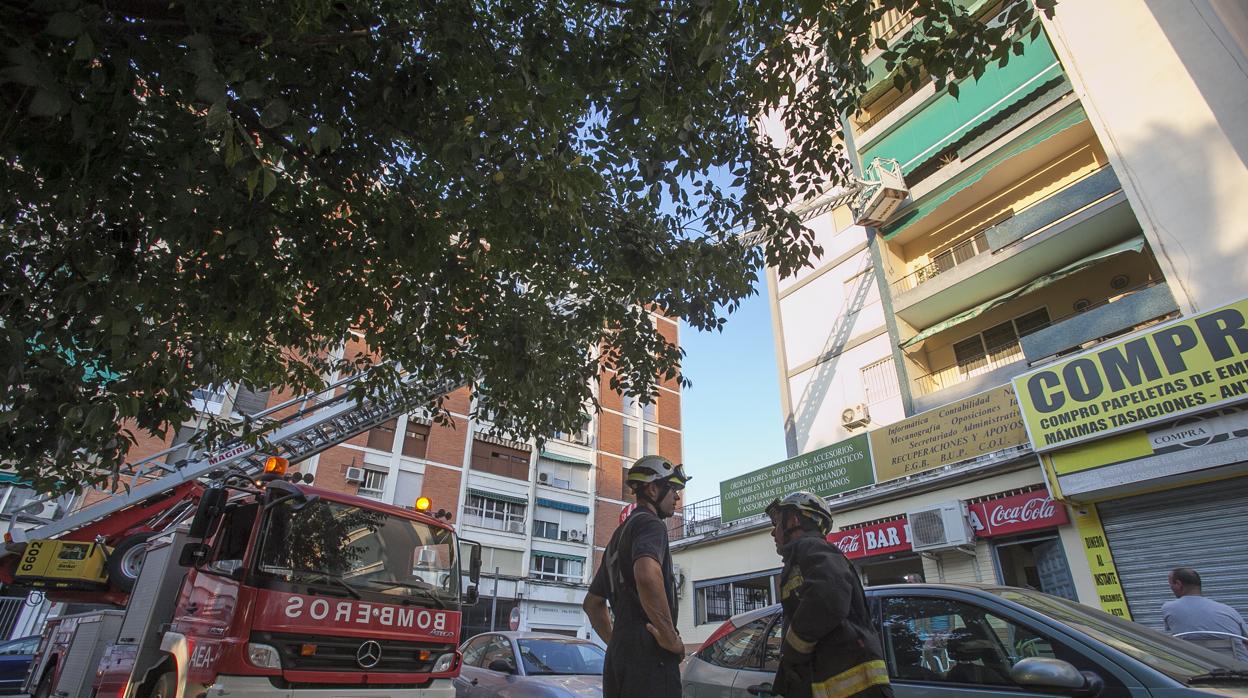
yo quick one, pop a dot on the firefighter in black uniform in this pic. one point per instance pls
(643, 647)
(830, 647)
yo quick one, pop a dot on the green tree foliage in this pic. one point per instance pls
(202, 192)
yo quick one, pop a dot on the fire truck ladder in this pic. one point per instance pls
(319, 420)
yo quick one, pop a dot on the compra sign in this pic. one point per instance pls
(1177, 368)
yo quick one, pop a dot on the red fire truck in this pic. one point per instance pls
(236, 578)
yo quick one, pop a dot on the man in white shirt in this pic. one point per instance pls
(1192, 612)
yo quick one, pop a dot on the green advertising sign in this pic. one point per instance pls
(841, 467)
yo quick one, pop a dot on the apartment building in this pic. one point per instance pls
(1050, 217)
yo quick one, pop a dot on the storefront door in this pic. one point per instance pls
(890, 569)
(1035, 562)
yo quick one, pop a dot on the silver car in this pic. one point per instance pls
(518, 664)
(973, 641)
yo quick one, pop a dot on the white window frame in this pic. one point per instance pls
(373, 485)
(547, 522)
(210, 398)
(496, 514)
(729, 589)
(560, 572)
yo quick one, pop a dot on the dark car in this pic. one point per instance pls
(529, 664)
(973, 641)
(15, 657)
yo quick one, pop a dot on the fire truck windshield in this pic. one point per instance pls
(355, 551)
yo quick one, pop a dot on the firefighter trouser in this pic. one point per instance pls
(637, 667)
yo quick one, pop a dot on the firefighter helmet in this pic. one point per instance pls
(656, 469)
(809, 505)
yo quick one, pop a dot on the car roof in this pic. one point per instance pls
(530, 635)
(19, 640)
(751, 616)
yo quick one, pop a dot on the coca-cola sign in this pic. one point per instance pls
(1016, 513)
(876, 539)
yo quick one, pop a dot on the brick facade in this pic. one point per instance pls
(446, 442)
(331, 469)
(610, 432)
(606, 520)
(441, 485)
(668, 408)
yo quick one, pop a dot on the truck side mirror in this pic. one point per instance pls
(474, 564)
(471, 595)
(210, 505)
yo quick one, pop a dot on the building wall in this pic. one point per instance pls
(1167, 93)
(829, 323)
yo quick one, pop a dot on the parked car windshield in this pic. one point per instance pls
(1178, 659)
(359, 550)
(543, 656)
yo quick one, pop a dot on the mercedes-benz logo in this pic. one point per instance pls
(368, 655)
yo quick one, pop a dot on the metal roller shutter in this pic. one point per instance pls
(1202, 527)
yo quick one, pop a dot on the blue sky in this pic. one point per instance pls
(731, 416)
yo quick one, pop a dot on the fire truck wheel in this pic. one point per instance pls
(126, 560)
(166, 686)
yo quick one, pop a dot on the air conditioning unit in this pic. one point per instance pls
(856, 416)
(355, 475)
(883, 193)
(543, 478)
(940, 527)
(575, 536)
(44, 510)
(48, 510)
(515, 526)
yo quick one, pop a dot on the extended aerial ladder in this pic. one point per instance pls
(158, 494)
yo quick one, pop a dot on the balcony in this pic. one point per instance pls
(946, 261)
(997, 366)
(990, 343)
(1083, 216)
(1130, 311)
(494, 523)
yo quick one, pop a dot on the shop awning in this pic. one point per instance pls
(559, 556)
(499, 496)
(946, 118)
(564, 506)
(565, 459)
(1135, 244)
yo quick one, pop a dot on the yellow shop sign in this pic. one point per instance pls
(955, 432)
(1184, 366)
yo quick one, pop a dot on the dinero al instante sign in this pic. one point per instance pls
(843, 466)
(1181, 367)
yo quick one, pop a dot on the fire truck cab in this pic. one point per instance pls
(272, 589)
